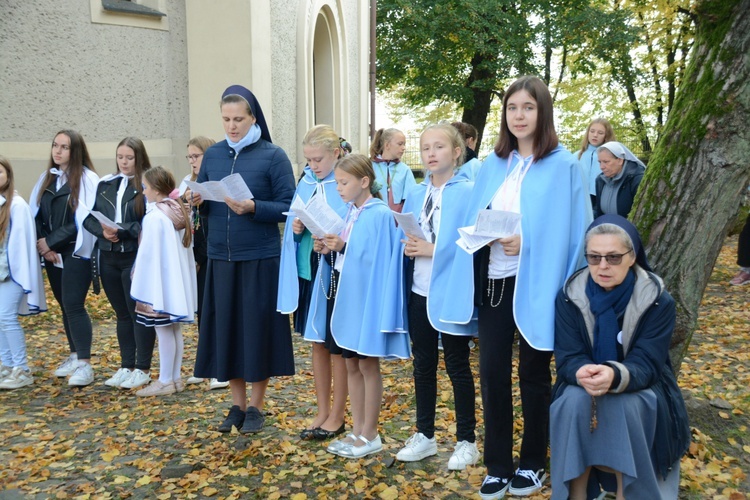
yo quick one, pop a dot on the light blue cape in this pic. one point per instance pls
(287, 298)
(453, 208)
(556, 211)
(362, 318)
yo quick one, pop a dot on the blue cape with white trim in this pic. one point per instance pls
(453, 208)
(556, 211)
(287, 298)
(364, 302)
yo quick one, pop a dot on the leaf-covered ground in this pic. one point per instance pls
(98, 442)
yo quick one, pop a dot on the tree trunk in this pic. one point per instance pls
(701, 165)
(482, 97)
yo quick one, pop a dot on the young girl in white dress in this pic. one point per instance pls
(164, 283)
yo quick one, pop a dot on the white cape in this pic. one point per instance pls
(164, 271)
(23, 259)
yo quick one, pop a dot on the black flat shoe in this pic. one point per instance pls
(308, 433)
(321, 433)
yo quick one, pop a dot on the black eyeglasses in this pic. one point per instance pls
(612, 259)
(193, 157)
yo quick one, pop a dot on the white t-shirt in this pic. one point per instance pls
(508, 198)
(423, 265)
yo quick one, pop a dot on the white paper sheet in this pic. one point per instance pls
(105, 220)
(497, 223)
(409, 224)
(232, 186)
(490, 225)
(317, 216)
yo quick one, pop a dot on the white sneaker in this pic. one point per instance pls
(215, 384)
(83, 375)
(416, 448)
(137, 379)
(5, 372)
(68, 366)
(194, 380)
(121, 376)
(18, 378)
(464, 454)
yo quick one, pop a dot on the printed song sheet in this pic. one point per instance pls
(408, 224)
(317, 216)
(105, 220)
(232, 186)
(490, 225)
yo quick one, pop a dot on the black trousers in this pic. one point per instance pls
(497, 328)
(136, 341)
(70, 286)
(424, 340)
(743, 245)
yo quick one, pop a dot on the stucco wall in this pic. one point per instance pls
(284, 77)
(60, 70)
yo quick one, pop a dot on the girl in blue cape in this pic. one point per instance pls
(517, 279)
(361, 319)
(440, 205)
(299, 265)
(393, 177)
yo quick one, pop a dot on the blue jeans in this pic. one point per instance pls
(12, 340)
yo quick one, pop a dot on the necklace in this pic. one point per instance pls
(491, 292)
(331, 292)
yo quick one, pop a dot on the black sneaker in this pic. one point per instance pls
(526, 482)
(494, 487)
(235, 418)
(253, 420)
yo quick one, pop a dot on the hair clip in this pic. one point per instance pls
(174, 194)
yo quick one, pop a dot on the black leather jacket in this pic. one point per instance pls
(55, 220)
(106, 197)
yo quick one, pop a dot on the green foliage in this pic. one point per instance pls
(428, 45)
(594, 53)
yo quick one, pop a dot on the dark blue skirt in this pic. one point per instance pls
(241, 334)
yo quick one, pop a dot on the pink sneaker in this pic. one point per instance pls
(741, 278)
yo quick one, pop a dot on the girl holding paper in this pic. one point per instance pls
(517, 278)
(299, 265)
(242, 336)
(440, 204)
(361, 321)
(196, 149)
(60, 201)
(119, 197)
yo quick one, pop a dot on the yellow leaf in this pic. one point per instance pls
(299, 496)
(121, 479)
(390, 493)
(724, 415)
(209, 492)
(360, 485)
(143, 481)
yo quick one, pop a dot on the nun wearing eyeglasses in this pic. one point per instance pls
(618, 183)
(618, 420)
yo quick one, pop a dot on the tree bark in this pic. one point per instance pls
(701, 165)
(482, 97)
